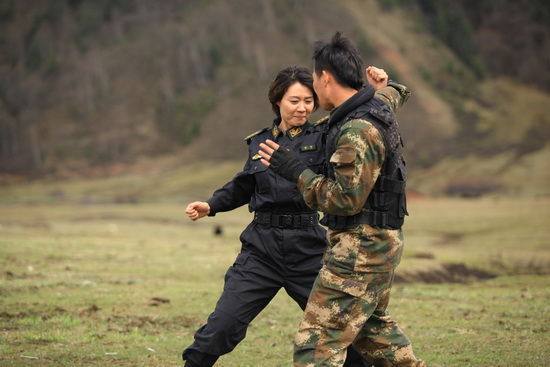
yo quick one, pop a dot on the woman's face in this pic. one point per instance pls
(296, 105)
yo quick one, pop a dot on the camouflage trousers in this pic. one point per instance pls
(351, 309)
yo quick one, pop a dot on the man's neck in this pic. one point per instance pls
(342, 94)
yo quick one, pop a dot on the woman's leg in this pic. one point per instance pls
(250, 284)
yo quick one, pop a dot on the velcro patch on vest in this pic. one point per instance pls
(343, 156)
(308, 148)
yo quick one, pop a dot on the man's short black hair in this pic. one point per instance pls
(341, 58)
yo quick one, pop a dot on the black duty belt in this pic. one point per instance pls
(287, 220)
(370, 217)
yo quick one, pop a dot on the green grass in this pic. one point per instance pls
(165, 182)
(77, 280)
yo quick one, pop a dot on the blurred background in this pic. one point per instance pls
(96, 87)
(115, 113)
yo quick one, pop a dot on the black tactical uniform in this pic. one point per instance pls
(281, 248)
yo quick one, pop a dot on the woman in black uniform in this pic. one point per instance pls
(284, 244)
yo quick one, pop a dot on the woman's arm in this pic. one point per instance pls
(233, 194)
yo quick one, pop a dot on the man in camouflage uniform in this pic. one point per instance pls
(362, 194)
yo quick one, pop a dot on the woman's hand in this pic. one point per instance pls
(377, 78)
(197, 210)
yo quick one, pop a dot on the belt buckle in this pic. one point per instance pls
(310, 219)
(286, 220)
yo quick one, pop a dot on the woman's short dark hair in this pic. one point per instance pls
(341, 58)
(284, 79)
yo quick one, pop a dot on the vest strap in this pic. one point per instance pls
(371, 217)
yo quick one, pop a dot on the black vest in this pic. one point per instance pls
(386, 204)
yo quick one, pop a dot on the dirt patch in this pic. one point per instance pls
(153, 324)
(532, 266)
(423, 255)
(447, 273)
(10, 275)
(157, 301)
(472, 187)
(117, 323)
(88, 311)
(27, 224)
(39, 341)
(44, 315)
(449, 238)
(115, 217)
(415, 195)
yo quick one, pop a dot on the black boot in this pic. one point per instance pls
(194, 358)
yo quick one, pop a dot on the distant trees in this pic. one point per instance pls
(90, 82)
(506, 37)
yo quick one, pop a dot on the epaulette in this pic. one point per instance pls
(322, 120)
(249, 137)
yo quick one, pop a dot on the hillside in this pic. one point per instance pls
(85, 85)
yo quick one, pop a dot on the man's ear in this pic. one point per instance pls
(326, 77)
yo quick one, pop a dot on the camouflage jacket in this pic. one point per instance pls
(356, 160)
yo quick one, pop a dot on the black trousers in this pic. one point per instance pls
(250, 284)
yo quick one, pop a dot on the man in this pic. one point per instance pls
(363, 197)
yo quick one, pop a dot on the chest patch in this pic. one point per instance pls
(256, 156)
(308, 148)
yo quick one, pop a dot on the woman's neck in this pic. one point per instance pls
(283, 125)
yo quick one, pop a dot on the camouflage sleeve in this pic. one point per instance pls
(356, 161)
(394, 95)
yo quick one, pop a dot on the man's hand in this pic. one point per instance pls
(197, 210)
(376, 77)
(281, 160)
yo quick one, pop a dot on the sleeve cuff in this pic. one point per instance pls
(404, 92)
(213, 209)
(305, 178)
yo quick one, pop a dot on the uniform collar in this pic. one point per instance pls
(362, 96)
(292, 133)
(275, 131)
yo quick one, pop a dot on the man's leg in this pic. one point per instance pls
(383, 341)
(337, 309)
(298, 288)
(249, 286)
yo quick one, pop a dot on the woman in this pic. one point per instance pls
(284, 244)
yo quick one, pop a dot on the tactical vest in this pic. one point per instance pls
(386, 205)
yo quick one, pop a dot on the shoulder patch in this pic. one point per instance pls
(356, 124)
(249, 137)
(322, 120)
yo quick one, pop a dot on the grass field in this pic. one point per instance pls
(91, 284)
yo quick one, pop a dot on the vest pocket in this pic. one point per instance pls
(403, 206)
